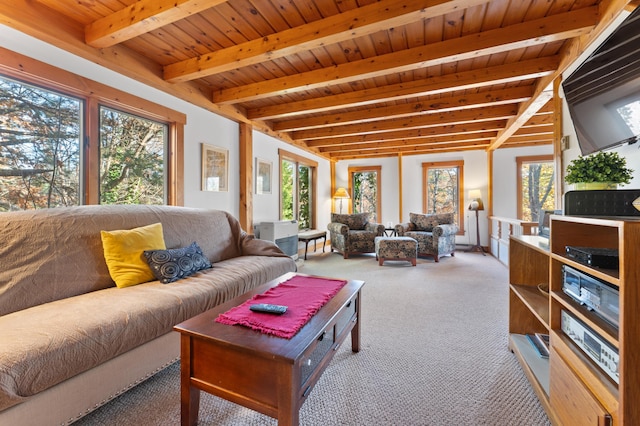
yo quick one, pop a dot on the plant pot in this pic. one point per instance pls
(583, 186)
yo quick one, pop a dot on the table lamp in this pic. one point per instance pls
(341, 194)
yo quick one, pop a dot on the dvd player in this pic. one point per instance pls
(596, 257)
(598, 296)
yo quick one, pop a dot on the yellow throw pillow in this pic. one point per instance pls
(124, 253)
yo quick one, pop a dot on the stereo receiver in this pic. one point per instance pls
(592, 344)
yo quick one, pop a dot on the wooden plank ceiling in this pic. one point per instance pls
(346, 78)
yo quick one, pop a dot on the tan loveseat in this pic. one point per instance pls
(70, 340)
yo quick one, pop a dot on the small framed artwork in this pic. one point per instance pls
(215, 168)
(263, 176)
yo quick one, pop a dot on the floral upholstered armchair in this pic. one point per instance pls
(435, 233)
(353, 233)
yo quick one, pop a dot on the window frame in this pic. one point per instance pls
(360, 169)
(94, 94)
(520, 161)
(313, 165)
(442, 165)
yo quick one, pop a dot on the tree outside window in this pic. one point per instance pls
(60, 147)
(297, 189)
(443, 183)
(40, 135)
(131, 159)
(365, 191)
(536, 189)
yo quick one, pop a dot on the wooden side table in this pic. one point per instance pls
(312, 235)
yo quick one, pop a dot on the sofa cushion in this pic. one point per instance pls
(356, 221)
(426, 222)
(123, 252)
(174, 264)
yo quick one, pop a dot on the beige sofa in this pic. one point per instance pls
(70, 340)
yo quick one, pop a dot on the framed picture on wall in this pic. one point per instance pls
(263, 176)
(215, 168)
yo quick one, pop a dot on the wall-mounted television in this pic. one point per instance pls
(603, 94)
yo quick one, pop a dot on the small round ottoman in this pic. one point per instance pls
(396, 248)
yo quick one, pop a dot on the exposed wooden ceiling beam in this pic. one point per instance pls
(429, 120)
(526, 34)
(484, 137)
(419, 107)
(473, 79)
(391, 152)
(334, 29)
(450, 130)
(141, 17)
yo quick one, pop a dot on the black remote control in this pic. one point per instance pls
(269, 309)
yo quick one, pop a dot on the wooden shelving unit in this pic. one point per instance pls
(571, 387)
(529, 308)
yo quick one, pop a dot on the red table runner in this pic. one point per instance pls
(303, 296)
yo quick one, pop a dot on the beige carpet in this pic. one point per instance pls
(434, 352)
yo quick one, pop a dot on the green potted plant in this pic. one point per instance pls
(603, 170)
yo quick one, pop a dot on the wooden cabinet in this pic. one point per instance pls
(572, 388)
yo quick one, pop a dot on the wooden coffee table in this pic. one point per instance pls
(268, 374)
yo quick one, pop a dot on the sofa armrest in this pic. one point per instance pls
(445, 230)
(401, 228)
(338, 228)
(378, 228)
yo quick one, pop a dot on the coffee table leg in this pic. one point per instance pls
(189, 395)
(355, 331)
(190, 405)
(288, 404)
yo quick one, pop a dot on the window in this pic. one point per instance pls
(443, 189)
(536, 189)
(40, 135)
(131, 159)
(364, 188)
(297, 189)
(65, 146)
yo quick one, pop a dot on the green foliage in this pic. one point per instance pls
(365, 193)
(599, 167)
(41, 158)
(131, 159)
(296, 193)
(538, 190)
(39, 148)
(286, 191)
(304, 197)
(442, 191)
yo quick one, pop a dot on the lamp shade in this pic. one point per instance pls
(474, 193)
(341, 193)
(476, 200)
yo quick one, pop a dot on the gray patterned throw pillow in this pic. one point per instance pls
(173, 264)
